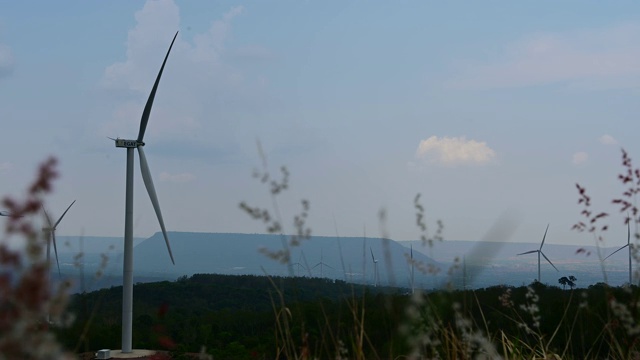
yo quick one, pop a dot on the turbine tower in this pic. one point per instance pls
(539, 251)
(51, 234)
(629, 246)
(375, 269)
(130, 145)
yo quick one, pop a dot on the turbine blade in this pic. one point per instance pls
(147, 107)
(614, 252)
(545, 256)
(48, 233)
(544, 237)
(5, 213)
(63, 214)
(46, 216)
(55, 249)
(628, 232)
(148, 183)
(528, 252)
(372, 258)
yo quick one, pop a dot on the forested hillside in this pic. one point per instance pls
(247, 317)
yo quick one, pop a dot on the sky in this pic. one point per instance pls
(484, 108)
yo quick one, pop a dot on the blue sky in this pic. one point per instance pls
(483, 108)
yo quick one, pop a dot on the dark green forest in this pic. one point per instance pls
(254, 317)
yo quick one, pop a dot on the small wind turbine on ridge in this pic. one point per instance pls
(51, 234)
(539, 251)
(130, 145)
(629, 246)
(375, 268)
(321, 264)
(412, 284)
(300, 264)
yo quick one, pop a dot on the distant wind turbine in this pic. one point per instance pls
(464, 272)
(300, 264)
(130, 145)
(412, 284)
(375, 269)
(628, 245)
(321, 264)
(51, 234)
(539, 251)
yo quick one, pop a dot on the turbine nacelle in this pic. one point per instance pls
(122, 143)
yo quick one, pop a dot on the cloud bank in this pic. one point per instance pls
(454, 151)
(196, 80)
(600, 58)
(6, 61)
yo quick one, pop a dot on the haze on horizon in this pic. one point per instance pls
(484, 109)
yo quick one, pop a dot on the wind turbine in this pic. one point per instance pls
(629, 246)
(412, 284)
(130, 145)
(301, 264)
(321, 264)
(539, 251)
(51, 234)
(375, 269)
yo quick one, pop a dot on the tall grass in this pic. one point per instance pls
(465, 332)
(29, 304)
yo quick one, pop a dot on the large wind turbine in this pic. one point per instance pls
(51, 234)
(539, 251)
(375, 269)
(629, 246)
(130, 145)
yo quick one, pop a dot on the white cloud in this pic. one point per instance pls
(177, 178)
(454, 151)
(6, 60)
(608, 57)
(196, 79)
(580, 158)
(5, 166)
(608, 140)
